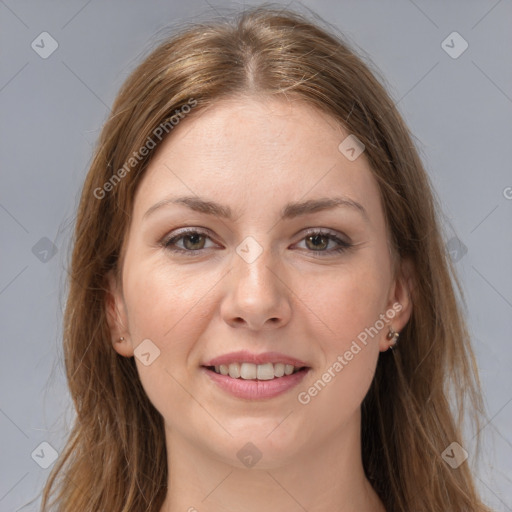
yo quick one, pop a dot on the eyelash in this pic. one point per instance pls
(343, 246)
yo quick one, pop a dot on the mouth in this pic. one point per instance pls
(251, 371)
(250, 381)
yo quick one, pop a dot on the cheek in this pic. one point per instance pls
(168, 306)
(350, 351)
(350, 307)
(348, 301)
(163, 301)
(163, 307)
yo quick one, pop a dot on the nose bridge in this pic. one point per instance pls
(256, 295)
(254, 268)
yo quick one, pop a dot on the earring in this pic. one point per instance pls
(392, 335)
(121, 339)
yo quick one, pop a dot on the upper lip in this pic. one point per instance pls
(244, 356)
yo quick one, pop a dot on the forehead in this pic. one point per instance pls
(242, 150)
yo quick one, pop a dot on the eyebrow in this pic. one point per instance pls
(290, 211)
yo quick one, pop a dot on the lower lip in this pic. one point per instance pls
(256, 389)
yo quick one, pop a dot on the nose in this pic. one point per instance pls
(257, 295)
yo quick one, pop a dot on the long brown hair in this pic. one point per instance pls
(115, 457)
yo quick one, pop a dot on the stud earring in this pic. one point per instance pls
(121, 339)
(393, 336)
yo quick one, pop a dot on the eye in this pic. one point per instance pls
(318, 241)
(193, 241)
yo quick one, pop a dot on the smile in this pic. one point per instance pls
(249, 385)
(250, 371)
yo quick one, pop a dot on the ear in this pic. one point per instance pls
(399, 301)
(117, 317)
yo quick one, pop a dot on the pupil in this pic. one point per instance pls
(315, 239)
(194, 238)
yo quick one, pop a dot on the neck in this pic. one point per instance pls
(327, 478)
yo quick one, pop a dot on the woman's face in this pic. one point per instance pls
(266, 271)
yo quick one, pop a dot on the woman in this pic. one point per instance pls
(261, 313)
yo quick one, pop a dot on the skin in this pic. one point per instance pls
(255, 155)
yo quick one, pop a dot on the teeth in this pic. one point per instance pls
(279, 369)
(234, 370)
(265, 371)
(250, 371)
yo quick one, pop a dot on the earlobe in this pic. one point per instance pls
(400, 302)
(123, 347)
(116, 318)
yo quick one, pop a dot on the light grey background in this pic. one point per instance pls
(460, 110)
